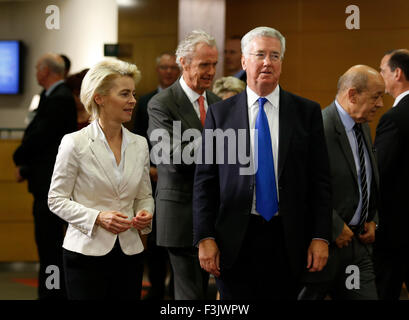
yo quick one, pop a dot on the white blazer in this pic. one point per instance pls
(83, 184)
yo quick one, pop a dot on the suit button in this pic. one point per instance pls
(280, 188)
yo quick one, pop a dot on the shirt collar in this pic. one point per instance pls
(346, 119)
(53, 86)
(400, 97)
(273, 97)
(193, 96)
(101, 135)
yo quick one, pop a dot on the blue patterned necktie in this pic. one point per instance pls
(266, 191)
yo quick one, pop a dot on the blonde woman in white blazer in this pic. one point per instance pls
(101, 187)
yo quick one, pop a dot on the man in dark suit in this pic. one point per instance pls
(35, 157)
(392, 146)
(156, 257)
(355, 187)
(177, 110)
(258, 230)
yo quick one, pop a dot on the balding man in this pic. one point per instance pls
(392, 146)
(355, 188)
(35, 157)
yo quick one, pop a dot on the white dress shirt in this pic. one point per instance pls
(193, 96)
(349, 123)
(118, 169)
(271, 108)
(400, 97)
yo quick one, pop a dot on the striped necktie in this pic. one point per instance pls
(364, 186)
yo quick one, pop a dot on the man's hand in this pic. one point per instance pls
(345, 238)
(142, 220)
(19, 178)
(369, 233)
(209, 256)
(317, 255)
(113, 221)
(153, 173)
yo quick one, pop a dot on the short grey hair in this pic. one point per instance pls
(261, 32)
(99, 80)
(228, 84)
(54, 63)
(187, 46)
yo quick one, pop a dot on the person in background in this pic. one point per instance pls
(35, 157)
(227, 87)
(32, 109)
(101, 187)
(74, 82)
(392, 147)
(168, 72)
(232, 58)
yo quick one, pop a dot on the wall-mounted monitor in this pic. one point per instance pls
(10, 66)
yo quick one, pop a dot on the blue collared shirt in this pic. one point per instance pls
(349, 123)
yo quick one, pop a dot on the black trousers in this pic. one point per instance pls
(49, 231)
(157, 260)
(113, 276)
(262, 269)
(392, 270)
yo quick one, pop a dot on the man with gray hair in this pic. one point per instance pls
(156, 257)
(258, 232)
(355, 189)
(34, 158)
(183, 104)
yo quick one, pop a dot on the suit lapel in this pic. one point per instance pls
(185, 107)
(343, 140)
(101, 155)
(286, 124)
(130, 161)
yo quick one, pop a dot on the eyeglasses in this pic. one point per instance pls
(261, 56)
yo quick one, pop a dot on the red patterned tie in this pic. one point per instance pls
(202, 110)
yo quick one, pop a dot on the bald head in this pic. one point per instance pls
(360, 92)
(357, 77)
(50, 69)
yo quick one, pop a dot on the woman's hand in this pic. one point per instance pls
(113, 221)
(142, 220)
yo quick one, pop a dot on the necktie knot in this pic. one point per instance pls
(261, 102)
(357, 128)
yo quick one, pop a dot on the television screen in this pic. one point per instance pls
(10, 54)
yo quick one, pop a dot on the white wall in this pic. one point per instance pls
(85, 25)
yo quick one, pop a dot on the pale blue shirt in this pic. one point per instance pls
(349, 123)
(53, 86)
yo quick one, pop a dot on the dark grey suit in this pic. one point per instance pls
(346, 197)
(174, 218)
